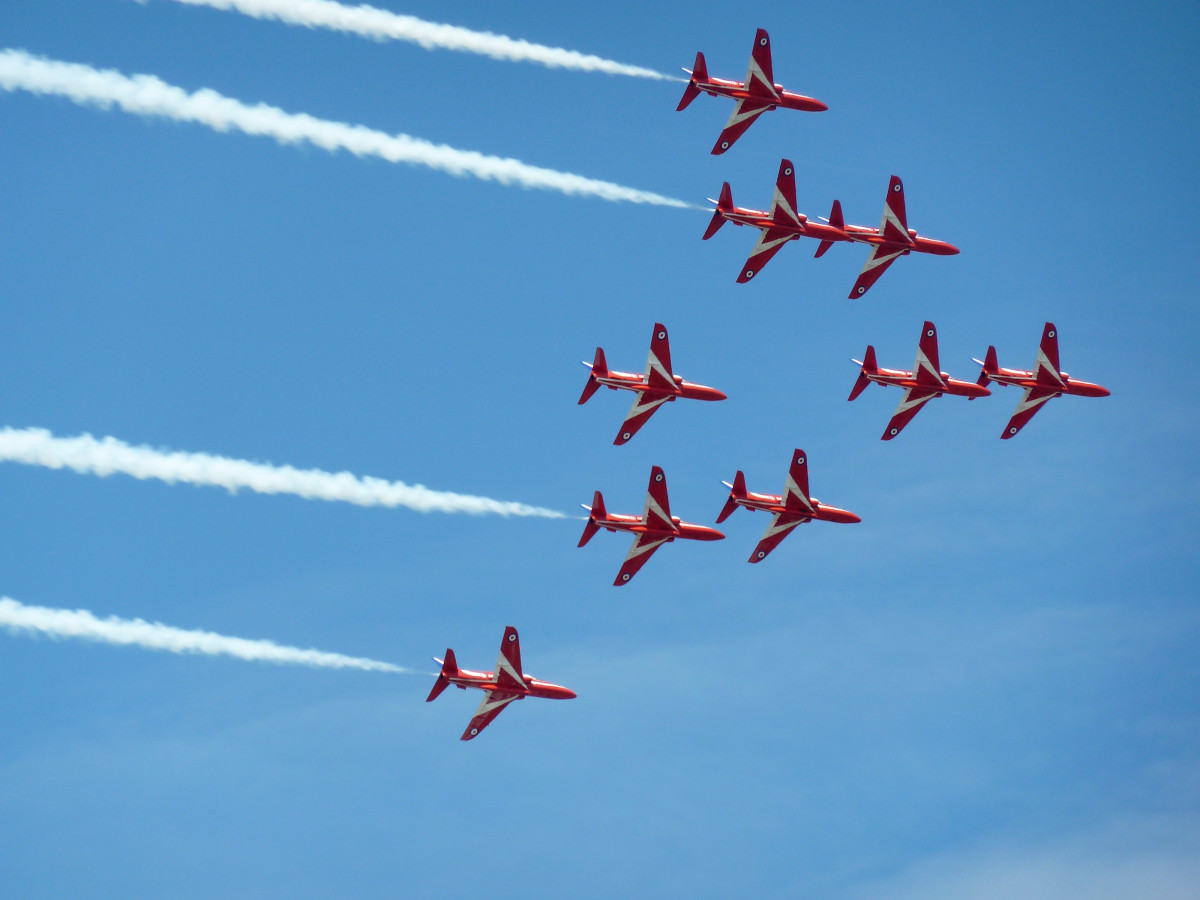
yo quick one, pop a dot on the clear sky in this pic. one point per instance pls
(989, 688)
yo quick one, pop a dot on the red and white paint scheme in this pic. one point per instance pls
(790, 509)
(757, 95)
(653, 528)
(1044, 383)
(508, 683)
(921, 385)
(657, 386)
(781, 223)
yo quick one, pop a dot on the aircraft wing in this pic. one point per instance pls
(795, 489)
(493, 704)
(928, 368)
(760, 75)
(657, 512)
(768, 245)
(743, 117)
(658, 363)
(894, 226)
(508, 666)
(882, 256)
(914, 399)
(643, 548)
(1034, 399)
(1045, 368)
(781, 526)
(639, 414)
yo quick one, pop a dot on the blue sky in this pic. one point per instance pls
(988, 688)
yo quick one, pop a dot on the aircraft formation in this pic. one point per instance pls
(659, 384)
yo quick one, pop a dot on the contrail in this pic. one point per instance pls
(81, 624)
(145, 95)
(380, 24)
(104, 456)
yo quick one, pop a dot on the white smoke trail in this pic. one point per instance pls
(145, 95)
(381, 24)
(82, 625)
(38, 447)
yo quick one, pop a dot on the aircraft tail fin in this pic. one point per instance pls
(991, 365)
(599, 370)
(836, 220)
(449, 670)
(724, 204)
(737, 491)
(595, 511)
(691, 92)
(867, 366)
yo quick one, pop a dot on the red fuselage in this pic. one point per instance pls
(858, 234)
(773, 503)
(485, 681)
(907, 380)
(637, 525)
(630, 381)
(1022, 379)
(720, 87)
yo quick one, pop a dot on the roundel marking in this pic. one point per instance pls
(1049, 334)
(1012, 430)
(749, 273)
(662, 335)
(895, 431)
(625, 435)
(512, 637)
(724, 145)
(762, 42)
(787, 171)
(658, 477)
(896, 187)
(929, 333)
(474, 731)
(799, 460)
(762, 554)
(625, 577)
(861, 291)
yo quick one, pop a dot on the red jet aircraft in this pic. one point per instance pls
(655, 527)
(757, 95)
(781, 223)
(1045, 382)
(791, 509)
(658, 386)
(921, 385)
(507, 684)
